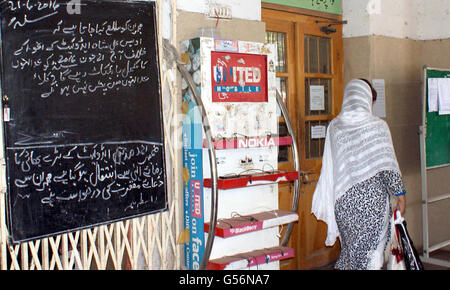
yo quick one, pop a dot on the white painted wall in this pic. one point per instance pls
(414, 19)
(166, 19)
(354, 11)
(434, 18)
(394, 18)
(247, 9)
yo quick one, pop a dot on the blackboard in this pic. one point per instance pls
(82, 114)
(438, 128)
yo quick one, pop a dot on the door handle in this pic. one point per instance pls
(305, 178)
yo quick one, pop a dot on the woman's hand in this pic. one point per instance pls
(401, 204)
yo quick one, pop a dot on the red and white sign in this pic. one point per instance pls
(253, 179)
(238, 77)
(250, 142)
(249, 259)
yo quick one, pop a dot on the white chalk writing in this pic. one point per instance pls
(82, 58)
(81, 172)
(31, 11)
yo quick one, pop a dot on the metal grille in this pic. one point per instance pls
(147, 242)
(317, 54)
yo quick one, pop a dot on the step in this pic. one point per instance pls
(250, 259)
(237, 181)
(250, 142)
(243, 224)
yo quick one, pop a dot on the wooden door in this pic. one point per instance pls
(309, 76)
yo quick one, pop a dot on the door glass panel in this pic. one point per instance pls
(324, 55)
(282, 129)
(283, 151)
(315, 138)
(279, 39)
(317, 96)
(282, 88)
(317, 54)
(311, 59)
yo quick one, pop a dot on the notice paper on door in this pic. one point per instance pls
(379, 106)
(318, 132)
(317, 98)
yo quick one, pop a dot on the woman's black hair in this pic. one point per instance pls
(374, 93)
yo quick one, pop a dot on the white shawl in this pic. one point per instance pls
(358, 145)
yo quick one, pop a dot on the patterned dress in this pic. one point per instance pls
(363, 216)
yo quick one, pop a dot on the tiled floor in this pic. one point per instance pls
(440, 254)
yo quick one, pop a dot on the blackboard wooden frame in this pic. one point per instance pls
(132, 154)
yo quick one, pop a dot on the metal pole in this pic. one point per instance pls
(294, 149)
(423, 167)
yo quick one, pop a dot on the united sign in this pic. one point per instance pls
(238, 77)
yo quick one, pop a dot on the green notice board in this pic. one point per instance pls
(330, 6)
(438, 128)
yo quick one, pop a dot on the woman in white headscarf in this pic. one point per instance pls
(359, 171)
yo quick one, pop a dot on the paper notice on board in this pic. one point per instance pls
(432, 95)
(444, 96)
(379, 107)
(317, 98)
(318, 132)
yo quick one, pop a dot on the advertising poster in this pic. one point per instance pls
(238, 77)
(193, 189)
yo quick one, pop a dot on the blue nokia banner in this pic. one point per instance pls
(193, 188)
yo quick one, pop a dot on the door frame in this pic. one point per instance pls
(298, 22)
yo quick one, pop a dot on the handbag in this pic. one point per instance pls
(410, 255)
(395, 258)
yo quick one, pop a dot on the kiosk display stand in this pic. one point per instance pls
(230, 156)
